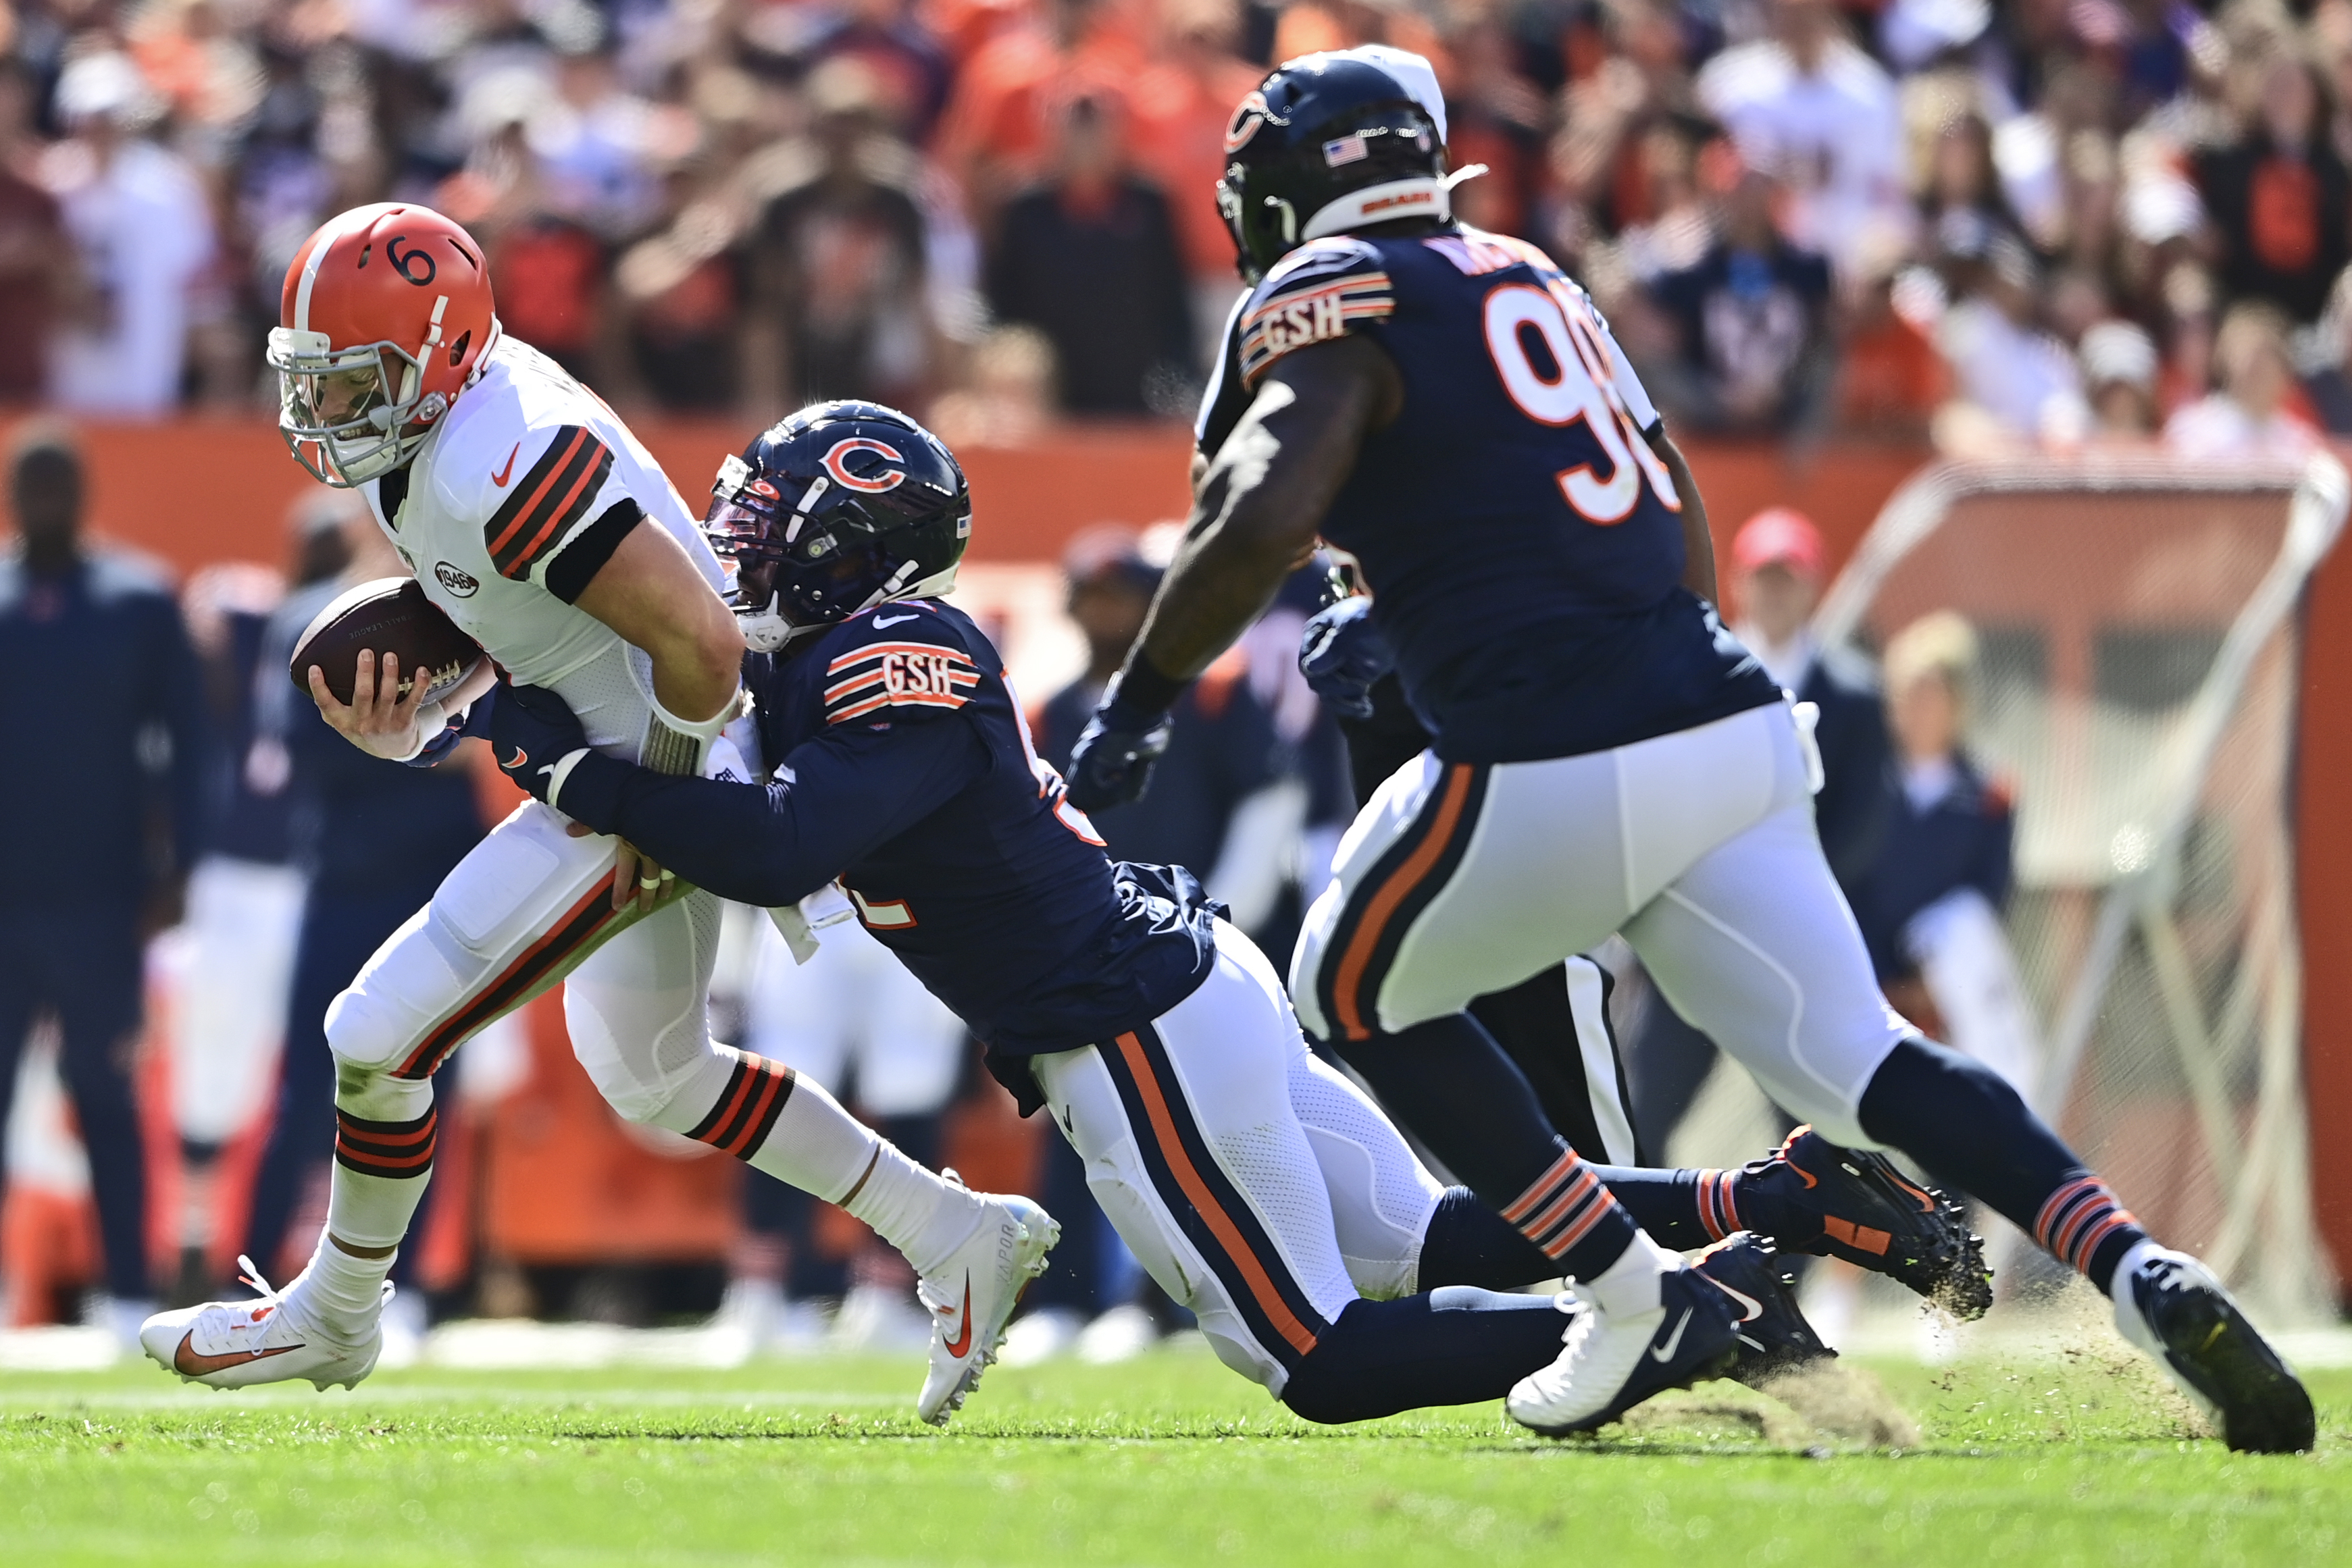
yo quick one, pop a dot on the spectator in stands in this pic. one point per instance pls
(1009, 401)
(375, 838)
(1777, 565)
(2279, 197)
(1182, 106)
(143, 232)
(837, 261)
(2009, 374)
(1891, 380)
(1811, 107)
(2119, 376)
(2249, 416)
(36, 258)
(1753, 319)
(912, 70)
(1090, 259)
(2329, 385)
(109, 798)
(1000, 130)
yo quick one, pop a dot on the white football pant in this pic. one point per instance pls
(1261, 1188)
(1458, 880)
(852, 1011)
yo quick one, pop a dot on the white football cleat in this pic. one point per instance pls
(235, 1345)
(2172, 1307)
(972, 1295)
(1609, 1362)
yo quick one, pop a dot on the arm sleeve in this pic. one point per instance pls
(839, 795)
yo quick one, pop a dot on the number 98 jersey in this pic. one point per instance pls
(1520, 538)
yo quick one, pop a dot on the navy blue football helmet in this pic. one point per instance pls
(840, 508)
(1330, 143)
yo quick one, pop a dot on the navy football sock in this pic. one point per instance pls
(1453, 1088)
(1468, 1243)
(1453, 1346)
(1969, 1129)
(1666, 1203)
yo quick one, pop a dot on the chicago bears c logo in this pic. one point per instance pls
(1251, 113)
(837, 462)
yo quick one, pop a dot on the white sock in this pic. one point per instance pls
(823, 1149)
(345, 1292)
(1630, 1286)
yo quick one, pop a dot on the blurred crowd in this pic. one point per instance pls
(2048, 223)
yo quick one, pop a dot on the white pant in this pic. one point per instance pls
(1458, 880)
(852, 1008)
(1258, 1186)
(229, 968)
(526, 907)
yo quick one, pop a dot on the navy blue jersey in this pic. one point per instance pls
(1520, 538)
(908, 774)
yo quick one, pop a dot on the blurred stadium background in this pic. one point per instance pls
(2088, 255)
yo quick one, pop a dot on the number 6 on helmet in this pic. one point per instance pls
(383, 320)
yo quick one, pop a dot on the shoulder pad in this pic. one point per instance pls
(1326, 289)
(910, 657)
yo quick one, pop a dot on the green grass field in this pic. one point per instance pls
(1166, 1460)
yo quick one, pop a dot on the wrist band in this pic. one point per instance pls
(1141, 688)
(561, 771)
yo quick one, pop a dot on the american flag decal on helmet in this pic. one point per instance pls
(896, 674)
(547, 501)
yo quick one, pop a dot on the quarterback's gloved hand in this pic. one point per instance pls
(536, 738)
(1342, 654)
(1112, 764)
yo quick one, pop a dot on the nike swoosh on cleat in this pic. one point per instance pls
(1754, 1309)
(189, 1361)
(507, 472)
(894, 620)
(1663, 1353)
(962, 1341)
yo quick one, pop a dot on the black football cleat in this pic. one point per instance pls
(1871, 1214)
(1609, 1364)
(1774, 1337)
(2172, 1307)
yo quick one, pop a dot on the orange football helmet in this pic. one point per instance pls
(384, 318)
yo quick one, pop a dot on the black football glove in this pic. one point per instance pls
(1342, 654)
(531, 730)
(1112, 764)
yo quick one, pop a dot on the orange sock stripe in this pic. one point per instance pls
(1541, 1188)
(1573, 1196)
(2117, 1219)
(2054, 1208)
(1561, 1245)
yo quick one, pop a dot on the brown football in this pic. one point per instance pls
(389, 615)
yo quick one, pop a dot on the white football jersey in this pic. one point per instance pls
(523, 466)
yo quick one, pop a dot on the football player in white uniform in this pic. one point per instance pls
(535, 519)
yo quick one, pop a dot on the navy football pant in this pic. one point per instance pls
(83, 965)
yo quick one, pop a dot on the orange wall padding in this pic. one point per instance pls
(197, 491)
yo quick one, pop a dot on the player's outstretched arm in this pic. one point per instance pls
(1255, 512)
(650, 592)
(769, 846)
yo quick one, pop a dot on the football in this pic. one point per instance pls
(389, 615)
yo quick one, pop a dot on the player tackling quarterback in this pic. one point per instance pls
(537, 522)
(1447, 407)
